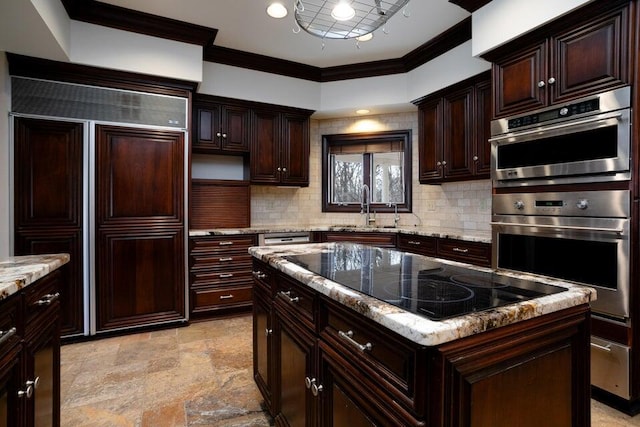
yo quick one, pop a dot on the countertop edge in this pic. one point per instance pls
(418, 329)
(18, 272)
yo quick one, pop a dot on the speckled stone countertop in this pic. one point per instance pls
(414, 327)
(20, 271)
(452, 233)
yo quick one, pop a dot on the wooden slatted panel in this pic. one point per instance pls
(220, 204)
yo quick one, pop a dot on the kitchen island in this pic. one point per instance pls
(350, 334)
(30, 289)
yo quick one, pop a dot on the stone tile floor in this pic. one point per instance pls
(200, 375)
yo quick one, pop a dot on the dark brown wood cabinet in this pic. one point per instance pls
(578, 55)
(375, 238)
(48, 207)
(220, 125)
(477, 253)
(322, 363)
(30, 354)
(140, 272)
(454, 132)
(220, 279)
(280, 147)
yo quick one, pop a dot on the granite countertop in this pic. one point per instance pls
(418, 328)
(452, 233)
(20, 271)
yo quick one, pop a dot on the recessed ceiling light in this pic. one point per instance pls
(363, 111)
(276, 10)
(343, 12)
(365, 38)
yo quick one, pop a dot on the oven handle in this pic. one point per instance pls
(563, 227)
(556, 127)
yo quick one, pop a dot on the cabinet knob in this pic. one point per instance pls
(218, 134)
(438, 164)
(284, 169)
(551, 80)
(279, 169)
(268, 332)
(309, 381)
(315, 389)
(444, 163)
(475, 158)
(541, 83)
(224, 135)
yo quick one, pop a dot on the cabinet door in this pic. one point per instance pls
(10, 404)
(519, 80)
(295, 364)
(49, 202)
(262, 346)
(590, 58)
(265, 148)
(234, 130)
(42, 360)
(206, 127)
(139, 267)
(458, 133)
(430, 144)
(481, 154)
(295, 150)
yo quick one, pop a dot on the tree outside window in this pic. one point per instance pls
(380, 160)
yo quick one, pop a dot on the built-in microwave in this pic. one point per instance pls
(587, 140)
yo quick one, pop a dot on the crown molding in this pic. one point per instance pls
(95, 12)
(107, 15)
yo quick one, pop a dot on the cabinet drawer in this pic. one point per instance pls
(222, 243)
(296, 299)
(208, 299)
(384, 357)
(220, 276)
(422, 245)
(9, 323)
(383, 240)
(471, 252)
(40, 297)
(220, 260)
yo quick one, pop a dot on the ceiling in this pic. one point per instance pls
(243, 25)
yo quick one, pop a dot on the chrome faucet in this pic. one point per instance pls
(396, 217)
(365, 202)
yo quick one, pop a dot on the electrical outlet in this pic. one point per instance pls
(430, 205)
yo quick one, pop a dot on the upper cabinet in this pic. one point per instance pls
(454, 132)
(280, 147)
(220, 127)
(586, 52)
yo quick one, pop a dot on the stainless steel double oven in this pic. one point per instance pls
(562, 208)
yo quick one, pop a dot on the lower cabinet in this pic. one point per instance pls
(30, 355)
(220, 275)
(320, 363)
(375, 238)
(477, 253)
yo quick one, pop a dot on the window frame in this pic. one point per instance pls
(403, 136)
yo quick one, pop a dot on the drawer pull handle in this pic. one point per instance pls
(462, 250)
(259, 275)
(606, 348)
(47, 299)
(230, 296)
(288, 295)
(348, 337)
(226, 259)
(413, 242)
(5, 335)
(226, 275)
(227, 243)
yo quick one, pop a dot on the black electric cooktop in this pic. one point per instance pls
(419, 284)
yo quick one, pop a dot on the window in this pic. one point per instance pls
(381, 161)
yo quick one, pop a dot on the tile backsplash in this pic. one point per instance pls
(464, 204)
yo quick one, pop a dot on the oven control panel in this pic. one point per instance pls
(608, 204)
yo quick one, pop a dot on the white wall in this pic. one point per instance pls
(121, 50)
(5, 164)
(503, 20)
